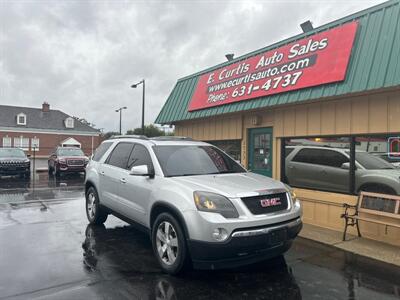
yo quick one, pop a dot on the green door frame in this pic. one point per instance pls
(252, 165)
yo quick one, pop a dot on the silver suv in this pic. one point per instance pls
(198, 205)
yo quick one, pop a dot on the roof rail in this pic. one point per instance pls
(171, 138)
(141, 137)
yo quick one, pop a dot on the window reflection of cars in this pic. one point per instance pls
(324, 168)
(12, 190)
(67, 160)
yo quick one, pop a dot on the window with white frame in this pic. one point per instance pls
(21, 119)
(69, 122)
(6, 141)
(35, 143)
(21, 142)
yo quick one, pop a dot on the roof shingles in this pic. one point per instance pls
(37, 119)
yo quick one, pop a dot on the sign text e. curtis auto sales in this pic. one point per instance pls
(318, 59)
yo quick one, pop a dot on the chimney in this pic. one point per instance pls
(45, 107)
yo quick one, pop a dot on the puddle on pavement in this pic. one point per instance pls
(42, 187)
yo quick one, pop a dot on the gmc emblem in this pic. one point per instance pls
(270, 202)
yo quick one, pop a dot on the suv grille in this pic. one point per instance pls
(13, 165)
(266, 203)
(75, 162)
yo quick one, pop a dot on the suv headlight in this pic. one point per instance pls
(292, 193)
(210, 202)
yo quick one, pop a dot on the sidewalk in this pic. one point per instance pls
(361, 246)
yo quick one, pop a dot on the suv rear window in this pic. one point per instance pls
(324, 157)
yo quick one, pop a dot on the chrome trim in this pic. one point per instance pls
(269, 192)
(266, 230)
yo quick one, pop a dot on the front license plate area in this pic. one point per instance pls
(277, 236)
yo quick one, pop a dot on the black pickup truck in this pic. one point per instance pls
(13, 161)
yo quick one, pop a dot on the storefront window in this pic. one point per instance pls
(231, 147)
(318, 163)
(377, 164)
(344, 164)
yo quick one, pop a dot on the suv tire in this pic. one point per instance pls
(94, 211)
(169, 246)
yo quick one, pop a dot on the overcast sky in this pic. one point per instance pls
(82, 56)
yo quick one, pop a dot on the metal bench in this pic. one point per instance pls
(375, 205)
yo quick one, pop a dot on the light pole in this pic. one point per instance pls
(135, 86)
(120, 117)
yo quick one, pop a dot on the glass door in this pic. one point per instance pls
(260, 151)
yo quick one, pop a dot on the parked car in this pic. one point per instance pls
(198, 205)
(324, 168)
(13, 161)
(67, 160)
(392, 158)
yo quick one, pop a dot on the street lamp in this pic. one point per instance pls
(135, 86)
(120, 117)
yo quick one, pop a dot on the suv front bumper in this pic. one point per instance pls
(245, 246)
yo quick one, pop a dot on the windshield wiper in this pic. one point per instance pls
(182, 175)
(222, 172)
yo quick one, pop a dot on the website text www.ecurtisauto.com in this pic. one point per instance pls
(287, 67)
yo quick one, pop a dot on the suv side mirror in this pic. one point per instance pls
(141, 170)
(345, 166)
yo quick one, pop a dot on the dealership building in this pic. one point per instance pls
(319, 111)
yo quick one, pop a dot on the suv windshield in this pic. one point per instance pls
(10, 152)
(372, 162)
(70, 152)
(195, 160)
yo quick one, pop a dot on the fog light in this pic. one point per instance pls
(220, 234)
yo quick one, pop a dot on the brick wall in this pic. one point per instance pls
(47, 142)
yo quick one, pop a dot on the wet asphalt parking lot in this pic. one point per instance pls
(48, 251)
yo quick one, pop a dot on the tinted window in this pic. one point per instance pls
(334, 159)
(120, 155)
(321, 157)
(98, 154)
(304, 156)
(195, 160)
(140, 156)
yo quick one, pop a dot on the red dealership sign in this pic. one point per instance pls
(319, 59)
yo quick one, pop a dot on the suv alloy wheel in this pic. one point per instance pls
(168, 240)
(94, 212)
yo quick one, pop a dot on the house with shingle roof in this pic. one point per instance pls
(43, 129)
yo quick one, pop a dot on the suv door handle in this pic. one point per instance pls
(122, 180)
